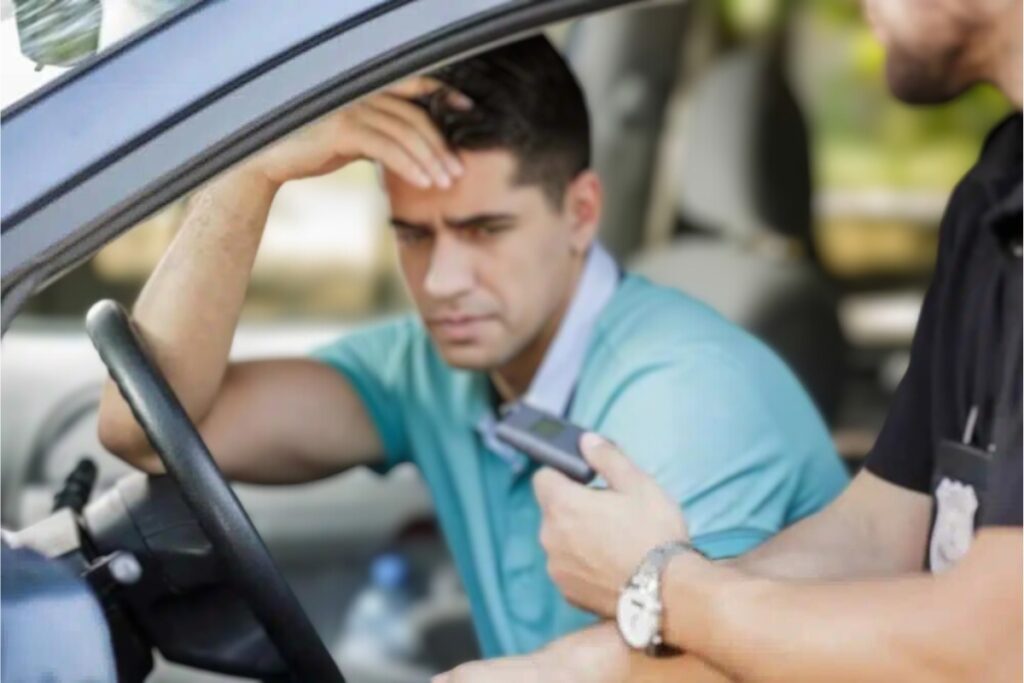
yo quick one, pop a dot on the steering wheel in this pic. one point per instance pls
(220, 514)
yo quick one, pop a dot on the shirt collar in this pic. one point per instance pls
(999, 172)
(1004, 218)
(553, 385)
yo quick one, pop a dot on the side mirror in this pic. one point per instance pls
(58, 32)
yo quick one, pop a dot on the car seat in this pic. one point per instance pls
(744, 239)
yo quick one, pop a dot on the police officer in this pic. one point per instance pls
(915, 572)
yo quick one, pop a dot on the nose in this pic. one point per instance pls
(451, 269)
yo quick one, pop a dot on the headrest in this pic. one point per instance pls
(743, 159)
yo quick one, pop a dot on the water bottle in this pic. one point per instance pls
(377, 627)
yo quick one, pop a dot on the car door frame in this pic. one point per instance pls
(83, 172)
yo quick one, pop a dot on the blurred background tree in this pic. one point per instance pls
(883, 169)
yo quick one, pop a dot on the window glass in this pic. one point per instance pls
(326, 255)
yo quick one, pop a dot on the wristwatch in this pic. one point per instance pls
(640, 606)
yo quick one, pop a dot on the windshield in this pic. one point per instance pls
(41, 39)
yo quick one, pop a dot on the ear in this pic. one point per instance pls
(583, 201)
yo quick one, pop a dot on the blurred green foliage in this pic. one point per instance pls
(869, 136)
(863, 136)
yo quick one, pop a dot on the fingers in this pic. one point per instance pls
(398, 133)
(417, 86)
(421, 86)
(618, 470)
(514, 669)
(404, 136)
(409, 126)
(420, 129)
(549, 484)
(381, 147)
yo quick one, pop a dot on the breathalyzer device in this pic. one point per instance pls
(545, 438)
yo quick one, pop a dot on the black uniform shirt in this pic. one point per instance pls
(967, 348)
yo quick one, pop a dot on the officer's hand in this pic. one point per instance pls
(385, 127)
(595, 539)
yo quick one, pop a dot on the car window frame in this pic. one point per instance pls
(54, 228)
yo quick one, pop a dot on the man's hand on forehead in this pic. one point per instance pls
(387, 127)
(419, 87)
(397, 113)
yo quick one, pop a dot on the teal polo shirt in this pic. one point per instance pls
(705, 408)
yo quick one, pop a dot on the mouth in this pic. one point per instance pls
(458, 328)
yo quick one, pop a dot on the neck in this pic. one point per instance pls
(1004, 58)
(1009, 78)
(513, 379)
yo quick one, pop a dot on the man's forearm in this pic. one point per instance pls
(599, 654)
(962, 626)
(189, 307)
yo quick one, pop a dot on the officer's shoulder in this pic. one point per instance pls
(977, 190)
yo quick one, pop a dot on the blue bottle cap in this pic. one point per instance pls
(389, 570)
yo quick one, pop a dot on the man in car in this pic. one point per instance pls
(494, 211)
(914, 573)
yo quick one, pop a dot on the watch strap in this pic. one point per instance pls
(654, 561)
(648, 577)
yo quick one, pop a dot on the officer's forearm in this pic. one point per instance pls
(961, 626)
(874, 528)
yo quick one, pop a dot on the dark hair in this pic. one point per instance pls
(525, 100)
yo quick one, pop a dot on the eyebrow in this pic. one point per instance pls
(456, 223)
(479, 219)
(401, 224)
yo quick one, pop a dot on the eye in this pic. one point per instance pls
(412, 235)
(484, 231)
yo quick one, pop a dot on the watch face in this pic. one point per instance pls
(638, 616)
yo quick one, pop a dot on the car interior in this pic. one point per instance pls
(705, 136)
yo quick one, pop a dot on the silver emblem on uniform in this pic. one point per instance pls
(956, 504)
